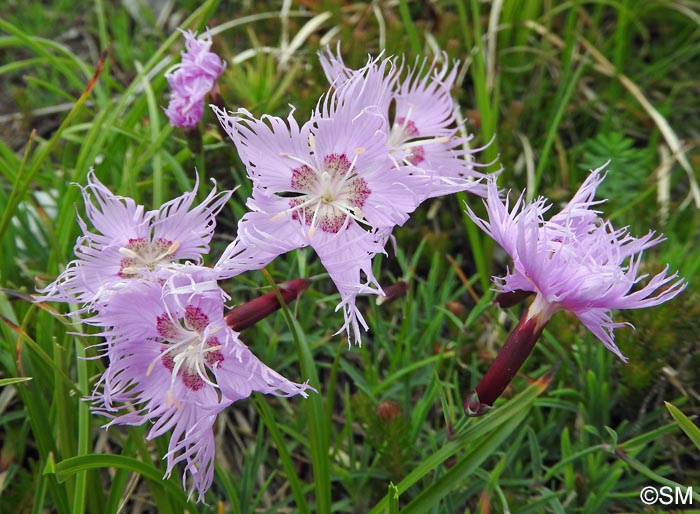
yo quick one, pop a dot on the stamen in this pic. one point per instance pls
(169, 251)
(143, 255)
(173, 248)
(170, 399)
(126, 252)
(361, 219)
(280, 215)
(328, 194)
(152, 365)
(358, 152)
(202, 373)
(188, 350)
(295, 158)
(314, 219)
(407, 119)
(296, 207)
(423, 142)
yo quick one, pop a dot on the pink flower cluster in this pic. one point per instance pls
(381, 141)
(171, 354)
(339, 183)
(191, 80)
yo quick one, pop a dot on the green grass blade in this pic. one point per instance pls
(84, 432)
(409, 26)
(690, 428)
(569, 80)
(295, 485)
(117, 485)
(319, 431)
(15, 380)
(393, 499)
(69, 467)
(154, 118)
(40, 495)
(644, 470)
(24, 179)
(481, 436)
(37, 350)
(468, 463)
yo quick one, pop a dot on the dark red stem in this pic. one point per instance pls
(246, 315)
(508, 361)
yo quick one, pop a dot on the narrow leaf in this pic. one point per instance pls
(685, 423)
(15, 380)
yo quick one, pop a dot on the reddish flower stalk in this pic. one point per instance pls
(393, 292)
(248, 314)
(511, 298)
(508, 361)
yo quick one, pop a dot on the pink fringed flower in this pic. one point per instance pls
(130, 244)
(575, 261)
(191, 80)
(329, 184)
(420, 115)
(174, 359)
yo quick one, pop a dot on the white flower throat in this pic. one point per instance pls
(143, 256)
(407, 140)
(328, 196)
(189, 348)
(402, 132)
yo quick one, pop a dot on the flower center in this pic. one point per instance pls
(403, 131)
(141, 256)
(189, 348)
(328, 196)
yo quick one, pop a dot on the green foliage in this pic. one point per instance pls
(629, 166)
(686, 424)
(386, 431)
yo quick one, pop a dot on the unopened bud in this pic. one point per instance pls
(511, 298)
(456, 308)
(388, 410)
(392, 292)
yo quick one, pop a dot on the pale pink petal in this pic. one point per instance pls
(271, 147)
(190, 228)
